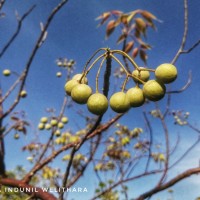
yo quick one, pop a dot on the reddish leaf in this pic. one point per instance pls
(145, 46)
(121, 38)
(116, 12)
(140, 24)
(143, 56)
(130, 17)
(135, 52)
(129, 46)
(104, 17)
(123, 18)
(14, 118)
(110, 28)
(147, 15)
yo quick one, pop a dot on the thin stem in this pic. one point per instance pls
(117, 60)
(97, 77)
(92, 65)
(17, 31)
(127, 56)
(124, 84)
(94, 54)
(32, 55)
(184, 34)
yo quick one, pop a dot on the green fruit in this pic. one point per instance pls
(6, 72)
(136, 96)
(154, 90)
(60, 125)
(44, 120)
(70, 85)
(58, 74)
(143, 75)
(57, 133)
(23, 94)
(16, 136)
(78, 77)
(64, 120)
(47, 126)
(54, 122)
(166, 73)
(80, 93)
(41, 126)
(97, 104)
(119, 102)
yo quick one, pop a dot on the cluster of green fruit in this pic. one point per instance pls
(120, 102)
(7, 72)
(47, 124)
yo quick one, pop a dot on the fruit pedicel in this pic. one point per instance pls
(122, 101)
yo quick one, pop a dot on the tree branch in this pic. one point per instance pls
(97, 131)
(170, 183)
(35, 192)
(35, 49)
(17, 30)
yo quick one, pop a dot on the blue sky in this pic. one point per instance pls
(74, 34)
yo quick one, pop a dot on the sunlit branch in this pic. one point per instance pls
(95, 132)
(35, 192)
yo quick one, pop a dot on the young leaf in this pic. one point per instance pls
(129, 47)
(121, 38)
(140, 24)
(135, 52)
(130, 17)
(110, 28)
(116, 12)
(104, 17)
(147, 15)
(143, 56)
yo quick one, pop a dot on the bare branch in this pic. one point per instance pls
(20, 21)
(170, 183)
(184, 34)
(150, 139)
(40, 165)
(185, 86)
(35, 49)
(27, 189)
(125, 181)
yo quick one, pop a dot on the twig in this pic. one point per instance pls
(150, 139)
(191, 48)
(92, 152)
(170, 183)
(35, 49)
(189, 81)
(17, 30)
(40, 165)
(166, 134)
(36, 192)
(52, 134)
(184, 33)
(124, 181)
